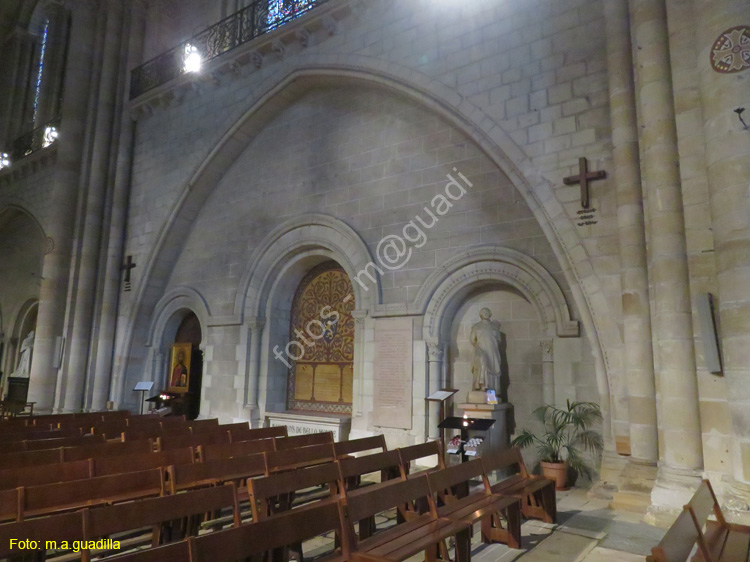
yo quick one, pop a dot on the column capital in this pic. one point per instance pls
(256, 324)
(435, 351)
(547, 348)
(359, 315)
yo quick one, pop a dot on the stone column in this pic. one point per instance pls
(679, 417)
(88, 266)
(255, 331)
(53, 294)
(637, 353)
(435, 351)
(725, 86)
(102, 371)
(548, 372)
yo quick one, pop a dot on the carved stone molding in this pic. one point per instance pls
(546, 347)
(435, 351)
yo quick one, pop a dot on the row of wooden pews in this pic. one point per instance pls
(224, 476)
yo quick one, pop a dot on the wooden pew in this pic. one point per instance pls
(296, 441)
(171, 440)
(175, 552)
(421, 451)
(240, 426)
(31, 458)
(720, 542)
(210, 452)
(45, 474)
(59, 528)
(278, 532)
(33, 433)
(107, 450)
(186, 509)
(10, 504)
(394, 544)
(211, 473)
(236, 435)
(201, 426)
(345, 448)
(351, 469)
(290, 459)
(55, 443)
(106, 466)
(100, 490)
(451, 486)
(538, 493)
(276, 493)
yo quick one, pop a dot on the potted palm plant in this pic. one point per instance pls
(567, 436)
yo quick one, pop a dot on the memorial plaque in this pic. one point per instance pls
(392, 401)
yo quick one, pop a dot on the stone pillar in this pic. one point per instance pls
(102, 371)
(435, 351)
(725, 86)
(548, 372)
(88, 265)
(53, 294)
(255, 331)
(637, 353)
(679, 417)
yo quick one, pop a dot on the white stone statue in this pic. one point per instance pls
(486, 365)
(24, 363)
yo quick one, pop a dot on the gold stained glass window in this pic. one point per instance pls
(322, 334)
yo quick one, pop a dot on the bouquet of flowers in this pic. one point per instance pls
(454, 445)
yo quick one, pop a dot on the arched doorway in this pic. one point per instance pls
(188, 333)
(321, 342)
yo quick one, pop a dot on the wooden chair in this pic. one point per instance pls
(451, 486)
(421, 451)
(276, 493)
(346, 448)
(398, 543)
(290, 459)
(67, 496)
(720, 542)
(175, 552)
(272, 534)
(537, 493)
(115, 465)
(211, 473)
(308, 440)
(170, 517)
(45, 474)
(210, 452)
(58, 528)
(236, 435)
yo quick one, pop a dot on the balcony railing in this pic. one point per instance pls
(39, 138)
(259, 18)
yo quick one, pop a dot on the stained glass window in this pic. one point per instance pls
(281, 11)
(40, 69)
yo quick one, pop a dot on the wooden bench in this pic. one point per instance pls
(107, 450)
(452, 485)
(54, 443)
(31, 458)
(236, 435)
(175, 552)
(296, 441)
(45, 474)
(272, 534)
(65, 527)
(394, 544)
(201, 426)
(10, 504)
(116, 465)
(290, 459)
(169, 517)
(101, 490)
(346, 448)
(276, 493)
(34, 433)
(211, 473)
(719, 542)
(537, 493)
(169, 441)
(421, 451)
(351, 469)
(210, 452)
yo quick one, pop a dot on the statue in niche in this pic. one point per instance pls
(486, 365)
(24, 363)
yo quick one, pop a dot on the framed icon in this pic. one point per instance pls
(179, 367)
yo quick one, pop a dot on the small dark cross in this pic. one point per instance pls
(126, 268)
(584, 177)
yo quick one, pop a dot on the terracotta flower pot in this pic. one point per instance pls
(557, 471)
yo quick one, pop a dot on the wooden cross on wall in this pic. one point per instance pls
(126, 268)
(584, 177)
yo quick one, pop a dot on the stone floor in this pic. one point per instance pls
(587, 531)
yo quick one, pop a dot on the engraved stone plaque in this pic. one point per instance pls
(392, 401)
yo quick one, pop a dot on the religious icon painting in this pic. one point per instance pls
(179, 367)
